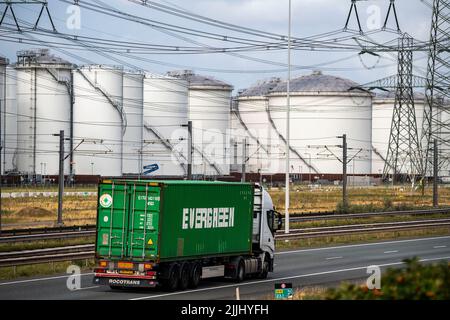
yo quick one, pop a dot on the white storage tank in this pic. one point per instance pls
(164, 134)
(209, 111)
(382, 111)
(99, 120)
(323, 108)
(133, 102)
(252, 104)
(8, 119)
(43, 108)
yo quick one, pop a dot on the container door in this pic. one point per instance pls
(112, 221)
(143, 222)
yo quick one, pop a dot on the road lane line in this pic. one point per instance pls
(439, 247)
(360, 245)
(333, 258)
(86, 288)
(282, 278)
(391, 251)
(42, 279)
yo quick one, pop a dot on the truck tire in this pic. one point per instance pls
(194, 278)
(115, 287)
(171, 283)
(240, 273)
(265, 269)
(185, 271)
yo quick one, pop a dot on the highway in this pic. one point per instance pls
(320, 266)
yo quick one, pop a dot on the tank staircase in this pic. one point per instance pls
(169, 146)
(284, 140)
(380, 156)
(210, 163)
(236, 111)
(116, 104)
(63, 81)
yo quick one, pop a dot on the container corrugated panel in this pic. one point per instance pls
(173, 220)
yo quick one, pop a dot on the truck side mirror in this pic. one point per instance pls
(279, 220)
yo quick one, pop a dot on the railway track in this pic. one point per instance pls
(17, 258)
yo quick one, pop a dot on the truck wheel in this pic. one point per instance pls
(194, 278)
(171, 283)
(184, 276)
(115, 287)
(265, 270)
(240, 275)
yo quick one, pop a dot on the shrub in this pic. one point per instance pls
(415, 282)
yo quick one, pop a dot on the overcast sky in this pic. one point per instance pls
(310, 17)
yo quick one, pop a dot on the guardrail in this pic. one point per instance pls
(332, 215)
(361, 228)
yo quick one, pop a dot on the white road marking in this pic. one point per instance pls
(360, 245)
(333, 258)
(439, 247)
(391, 251)
(283, 278)
(87, 288)
(42, 279)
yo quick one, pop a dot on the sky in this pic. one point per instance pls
(309, 18)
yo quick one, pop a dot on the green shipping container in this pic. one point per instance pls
(173, 220)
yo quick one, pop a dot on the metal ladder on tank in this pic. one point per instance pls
(210, 163)
(116, 104)
(285, 142)
(180, 157)
(60, 80)
(166, 143)
(235, 110)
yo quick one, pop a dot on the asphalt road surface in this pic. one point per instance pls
(321, 266)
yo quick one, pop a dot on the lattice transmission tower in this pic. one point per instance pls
(436, 115)
(404, 158)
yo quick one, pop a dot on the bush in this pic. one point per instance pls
(387, 203)
(415, 282)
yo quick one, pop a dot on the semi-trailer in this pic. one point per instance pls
(175, 233)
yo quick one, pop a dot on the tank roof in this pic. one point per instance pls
(316, 82)
(197, 80)
(261, 88)
(39, 56)
(388, 95)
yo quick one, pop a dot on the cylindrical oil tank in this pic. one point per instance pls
(262, 140)
(324, 108)
(165, 126)
(43, 109)
(382, 111)
(133, 102)
(99, 120)
(8, 119)
(209, 111)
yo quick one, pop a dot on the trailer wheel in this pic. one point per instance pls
(240, 275)
(184, 276)
(195, 274)
(171, 283)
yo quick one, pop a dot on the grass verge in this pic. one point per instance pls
(9, 273)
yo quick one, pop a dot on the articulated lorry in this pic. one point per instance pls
(174, 233)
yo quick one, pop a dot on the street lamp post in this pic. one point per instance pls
(288, 123)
